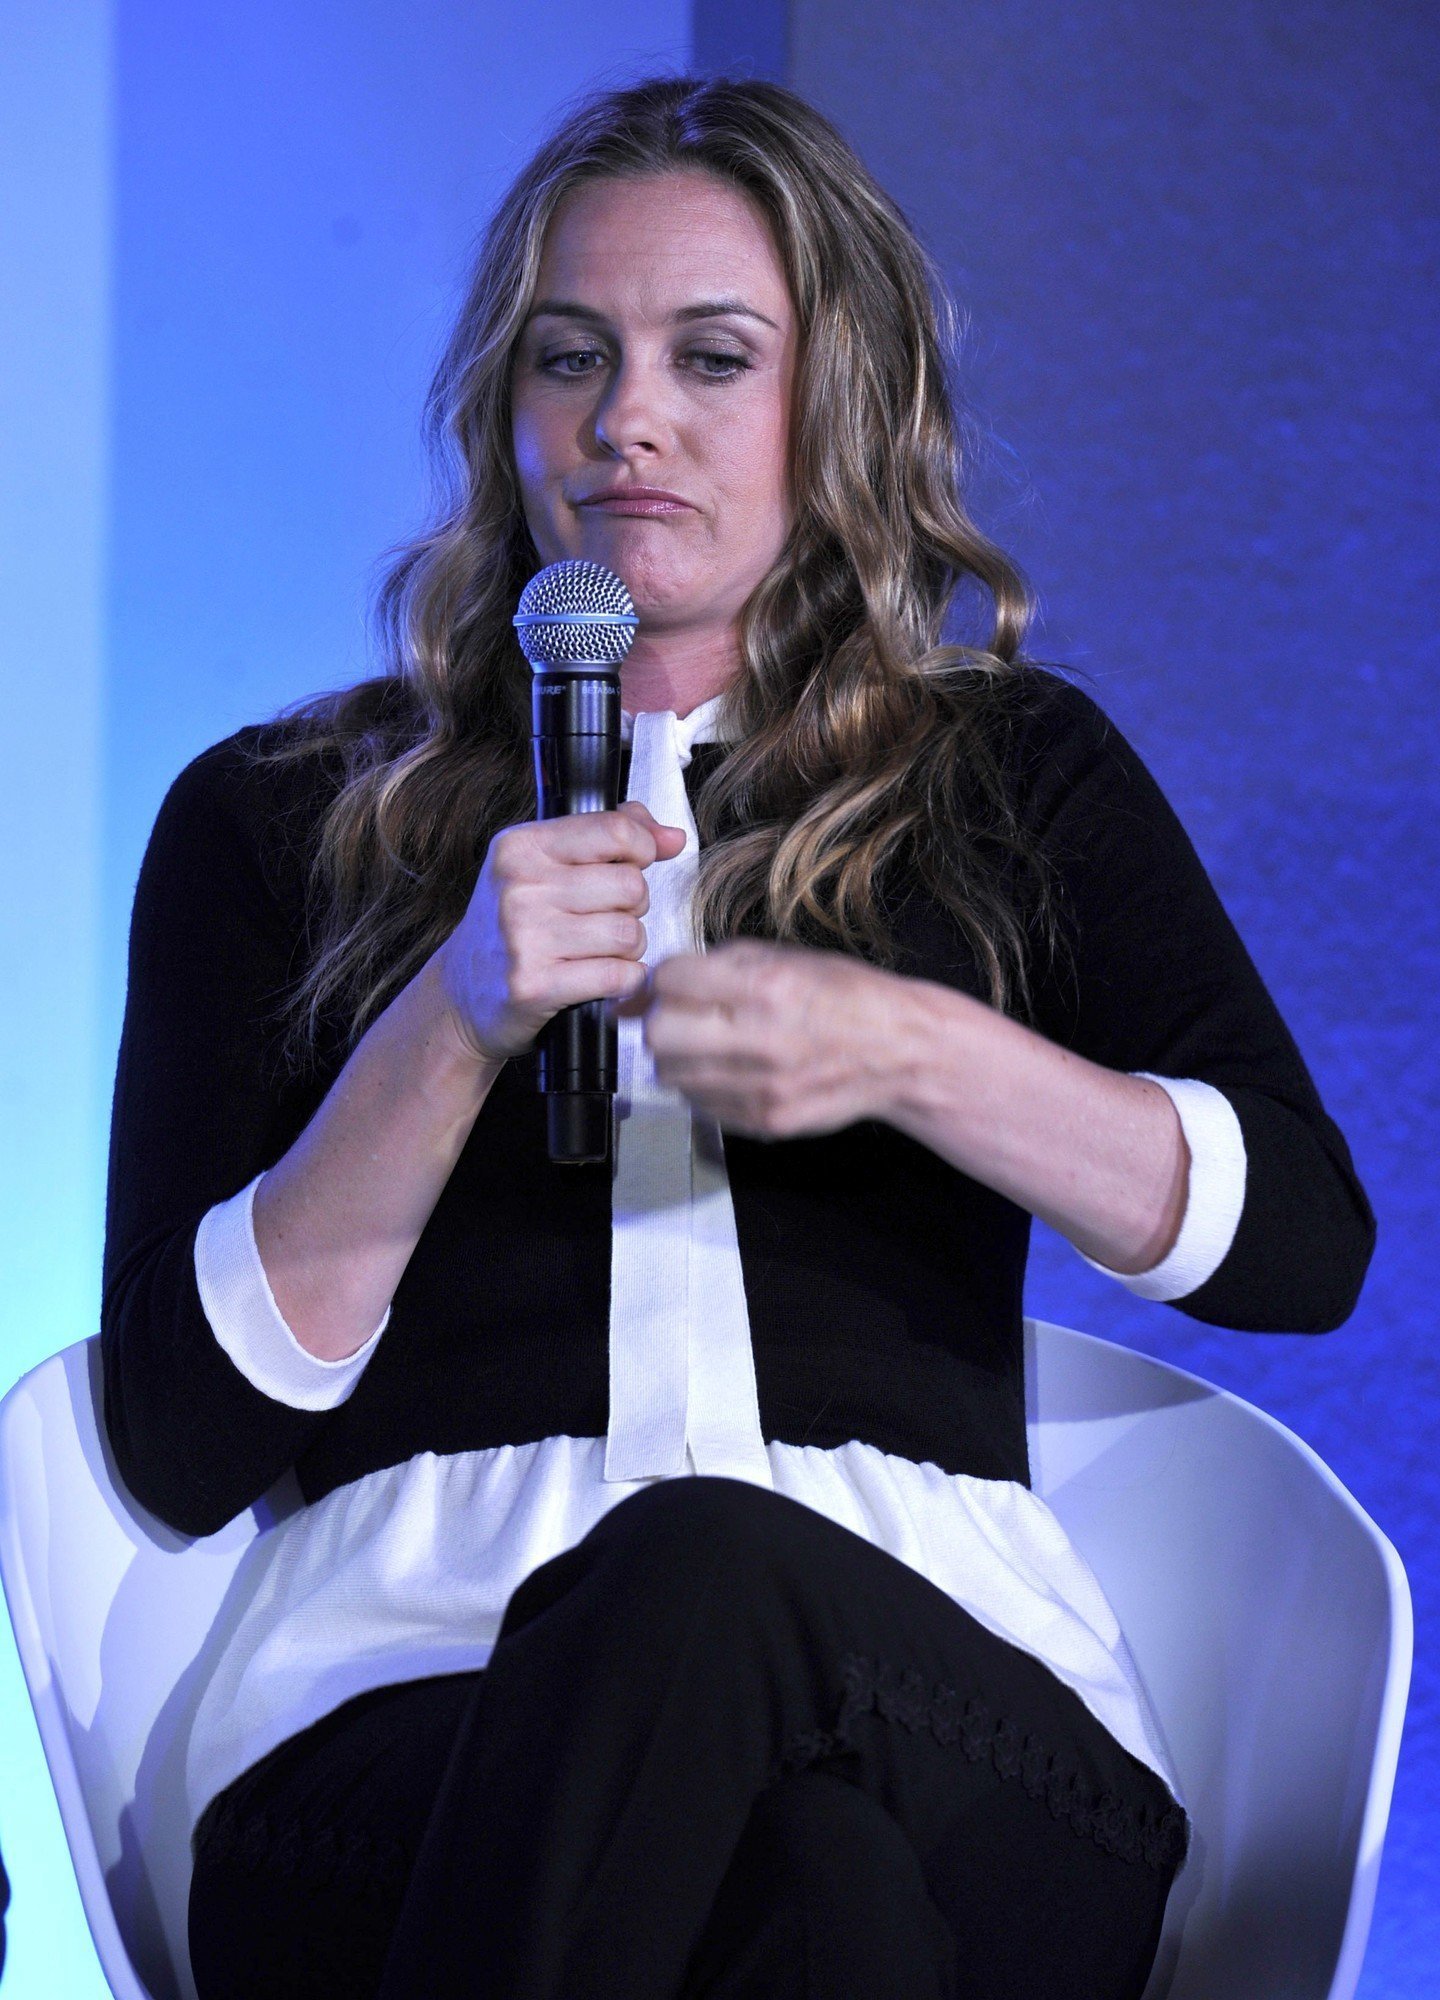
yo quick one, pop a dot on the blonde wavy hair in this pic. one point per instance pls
(865, 740)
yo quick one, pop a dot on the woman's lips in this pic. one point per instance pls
(639, 503)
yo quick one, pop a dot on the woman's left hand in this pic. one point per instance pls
(775, 1041)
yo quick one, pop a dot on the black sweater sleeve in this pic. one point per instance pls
(211, 948)
(1153, 976)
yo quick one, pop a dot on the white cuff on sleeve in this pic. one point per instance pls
(248, 1324)
(1216, 1193)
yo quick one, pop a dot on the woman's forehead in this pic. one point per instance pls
(681, 237)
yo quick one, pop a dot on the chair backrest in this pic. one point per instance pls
(1268, 1616)
(111, 1610)
(1270, 1620)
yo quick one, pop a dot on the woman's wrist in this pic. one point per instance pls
(1097, 1154)
(436, 1004)
(337, 1217)
(899, 1039)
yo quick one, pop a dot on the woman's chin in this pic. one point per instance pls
(644, 554)
(661, 595)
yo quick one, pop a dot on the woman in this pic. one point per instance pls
(513, 1706)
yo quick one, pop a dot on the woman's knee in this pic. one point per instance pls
(835, 1840)
(823, 1864)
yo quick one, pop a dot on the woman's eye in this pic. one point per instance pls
(574, 361)
(713, 364)
(716, 363)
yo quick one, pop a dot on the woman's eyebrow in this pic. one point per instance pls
(722, 308)
(704, 309)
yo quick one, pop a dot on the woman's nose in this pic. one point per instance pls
(630, 415)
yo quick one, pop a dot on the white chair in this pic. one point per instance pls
(1270, 1620)
(1268, 1615)
(110, 1609)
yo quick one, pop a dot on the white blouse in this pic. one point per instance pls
(407, 1572)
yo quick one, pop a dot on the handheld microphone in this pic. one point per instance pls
(576, 622)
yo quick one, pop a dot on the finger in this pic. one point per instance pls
(668, 839)
(602, 836)
(572, 980)
(637, 1002)
(643, 813)
(722, 976)
(696, 1035)
(601, 885)
(606, 934)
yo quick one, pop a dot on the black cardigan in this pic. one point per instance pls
(884, 1287)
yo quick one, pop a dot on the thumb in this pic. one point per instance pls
(672, 837)
(626, 1006)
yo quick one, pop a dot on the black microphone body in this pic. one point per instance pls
(576, 738)
(576, 623)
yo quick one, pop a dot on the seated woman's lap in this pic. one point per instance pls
(1043, 1845)
(302, 1865)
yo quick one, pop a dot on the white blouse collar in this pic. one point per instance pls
(704, 724)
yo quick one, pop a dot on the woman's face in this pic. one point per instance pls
(651, 395)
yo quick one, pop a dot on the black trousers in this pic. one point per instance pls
(724, 1750)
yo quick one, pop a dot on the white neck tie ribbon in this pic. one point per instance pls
(682, 1369)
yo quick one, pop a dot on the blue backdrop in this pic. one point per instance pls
(1199, 252)
(1200, 270)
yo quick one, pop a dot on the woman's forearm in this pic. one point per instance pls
(1098, 1155)
(338, 1216)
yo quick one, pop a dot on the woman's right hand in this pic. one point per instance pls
(555, 918)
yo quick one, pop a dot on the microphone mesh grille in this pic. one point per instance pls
(572, 611)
